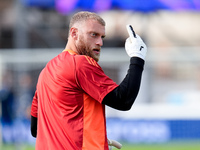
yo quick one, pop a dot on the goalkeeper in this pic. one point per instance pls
(68, 108)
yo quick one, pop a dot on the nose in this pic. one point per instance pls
(99, 41)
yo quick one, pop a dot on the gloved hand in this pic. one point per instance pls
(134, 45)
(114, 143)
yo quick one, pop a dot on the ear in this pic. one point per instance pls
(74, 33)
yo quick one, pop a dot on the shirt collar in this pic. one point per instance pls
(70, 51)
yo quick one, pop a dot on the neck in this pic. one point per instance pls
(71, 46)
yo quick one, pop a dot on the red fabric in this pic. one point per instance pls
(68, 106)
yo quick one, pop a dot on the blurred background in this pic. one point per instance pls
(167, 109)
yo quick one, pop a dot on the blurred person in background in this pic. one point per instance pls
(25, 96)
(68, 108)
(7, 99)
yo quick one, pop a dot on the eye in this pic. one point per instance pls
(103, 37)
(93, 34)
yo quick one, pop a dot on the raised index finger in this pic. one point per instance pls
(131, 32)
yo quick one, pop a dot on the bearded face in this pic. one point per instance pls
(89, 38)
(85, 48)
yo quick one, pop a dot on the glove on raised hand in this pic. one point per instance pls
(134, 45)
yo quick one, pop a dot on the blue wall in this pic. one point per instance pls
(133, 131)
(153, 131)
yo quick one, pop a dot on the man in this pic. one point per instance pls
(68, 109)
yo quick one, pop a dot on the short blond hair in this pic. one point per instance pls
(84, 16)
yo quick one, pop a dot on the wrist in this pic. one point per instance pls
(137, 54)
(137, 61)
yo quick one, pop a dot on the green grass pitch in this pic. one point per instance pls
(164, 146)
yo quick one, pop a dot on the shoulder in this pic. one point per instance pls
(83, 60)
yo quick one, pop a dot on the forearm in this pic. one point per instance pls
(123, 97)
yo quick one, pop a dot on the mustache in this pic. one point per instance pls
(97, 48)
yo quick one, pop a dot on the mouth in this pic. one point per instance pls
(96, 50)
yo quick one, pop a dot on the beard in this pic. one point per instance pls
(84, 49)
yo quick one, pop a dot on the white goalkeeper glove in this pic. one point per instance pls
(114, 143)
(134, 45)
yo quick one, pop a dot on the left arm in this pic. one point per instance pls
(123, 96)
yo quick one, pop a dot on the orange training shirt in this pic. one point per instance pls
(68, 104)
